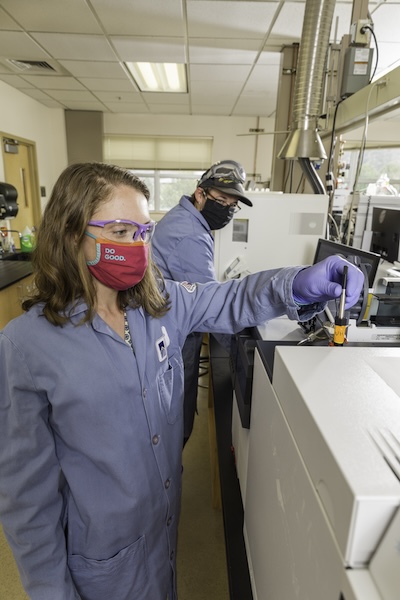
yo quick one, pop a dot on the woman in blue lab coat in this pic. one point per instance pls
(91, 390)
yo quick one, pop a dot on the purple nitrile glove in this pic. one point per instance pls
(323, 282)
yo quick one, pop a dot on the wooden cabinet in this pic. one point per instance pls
(11, 298)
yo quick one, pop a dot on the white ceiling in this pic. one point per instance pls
(231, 49)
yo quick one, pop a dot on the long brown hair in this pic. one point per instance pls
(61, 276)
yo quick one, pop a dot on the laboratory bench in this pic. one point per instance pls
(12, 271)
(247, 461)
(15, 282)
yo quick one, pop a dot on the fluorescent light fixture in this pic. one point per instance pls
(159, 77)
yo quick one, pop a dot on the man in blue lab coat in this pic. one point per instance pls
(183, 248)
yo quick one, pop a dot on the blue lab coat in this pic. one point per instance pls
(91, 438)
(183, 248)
(183, 245)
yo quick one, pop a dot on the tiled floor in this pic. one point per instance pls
(201, 555)
(10, 586)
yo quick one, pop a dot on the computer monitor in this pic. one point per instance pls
(386, 233)
(359, 257)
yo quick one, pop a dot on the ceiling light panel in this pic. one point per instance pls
(159, 77)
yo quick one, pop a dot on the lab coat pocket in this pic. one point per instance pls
(119, 577)
(170, 386)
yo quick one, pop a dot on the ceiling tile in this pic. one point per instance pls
(141, 17)
(207, 18)
(263, 78)
(209, 109)
(127, 108)
(53, 82)
(51, 103)
(235, 52)
(218, 73)
(66, 95)
(218, 99)
(289, 22)
(165, 98)
(270, 58)
(92, 68)
(37, 94)
(107, 84)
(149, 49)
(169, 109)
(6, 22)
(15, 81)
(73, 16)
(218, 87)
(119, 97)
(15, 44)
(76, 46)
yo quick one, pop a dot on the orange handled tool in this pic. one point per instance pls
(341, 322)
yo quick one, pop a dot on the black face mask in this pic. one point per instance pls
(216, 215)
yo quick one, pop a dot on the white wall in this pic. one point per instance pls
(23, 117)
(228, 144)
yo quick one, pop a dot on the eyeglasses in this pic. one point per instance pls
(223, 204)
(121, 230)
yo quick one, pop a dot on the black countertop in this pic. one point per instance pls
(13, 271)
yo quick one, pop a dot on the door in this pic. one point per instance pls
(20, 171)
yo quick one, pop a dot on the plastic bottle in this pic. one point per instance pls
(27, 240)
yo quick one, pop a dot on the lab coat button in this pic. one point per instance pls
(171, 556)
(167, 483)
(144, 392)
(169, 521)
(156, 439)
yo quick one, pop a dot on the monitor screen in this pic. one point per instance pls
(355, 255)
(386, 232)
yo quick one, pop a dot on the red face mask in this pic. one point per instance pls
(119, 266)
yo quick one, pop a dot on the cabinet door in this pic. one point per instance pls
(11, 298)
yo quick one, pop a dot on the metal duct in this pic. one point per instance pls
(304, 140)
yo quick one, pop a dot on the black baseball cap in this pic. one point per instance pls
(227, 176)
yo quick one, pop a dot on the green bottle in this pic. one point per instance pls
(27, 240)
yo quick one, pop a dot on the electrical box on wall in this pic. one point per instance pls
(360, 32)
(356, 69)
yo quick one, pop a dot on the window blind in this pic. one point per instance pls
(158, 152)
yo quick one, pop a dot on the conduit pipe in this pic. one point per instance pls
(304, 141)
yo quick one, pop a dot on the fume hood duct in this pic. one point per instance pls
(304, 140)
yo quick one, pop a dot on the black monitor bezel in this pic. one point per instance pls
(385, 239)
(347, 251)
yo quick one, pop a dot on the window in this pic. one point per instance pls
(380, 171)
(167, 187)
